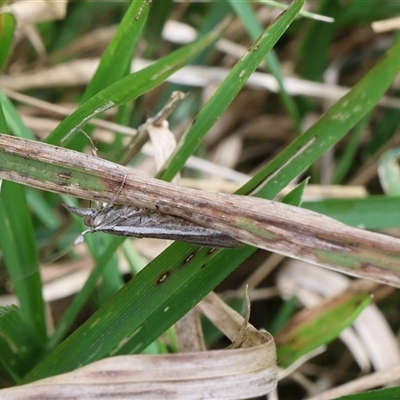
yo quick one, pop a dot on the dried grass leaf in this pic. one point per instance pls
(219, 374)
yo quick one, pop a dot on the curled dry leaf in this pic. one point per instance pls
(219, 374)
(233, 325)
(239, 373)
(162, 139)
(164, 143)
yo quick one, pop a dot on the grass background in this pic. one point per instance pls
(245, 130)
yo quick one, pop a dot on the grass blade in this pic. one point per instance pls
(227, 91)
(131, 87)
(120, 48)
(7, 28)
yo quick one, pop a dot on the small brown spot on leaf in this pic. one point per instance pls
(162, 278)
(190, 257)
(64, 175)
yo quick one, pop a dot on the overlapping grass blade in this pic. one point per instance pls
(120, 48)
(17, 241)
(131, 87)
(227, 91)
(246, 13)
(7, 28)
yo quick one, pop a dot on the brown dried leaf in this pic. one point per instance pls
(219, 374)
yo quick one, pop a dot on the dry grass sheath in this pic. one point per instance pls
(265, 224)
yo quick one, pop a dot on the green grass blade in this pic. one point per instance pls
(372, 212)
(344, 166)
(389, 171)
(314, 53)
(382, 133)
(158, 15)
(116, 59)
(254, 28)
(13, 119)
(227, 91)
(19, 346)
(328, 130)
(42, 209)
(83, 295)
(313, 328)
(380, 394)
(131, 87)
(7, 28)
(154, 288)
(294, 197)
(17, 242)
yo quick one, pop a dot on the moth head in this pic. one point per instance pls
(87, 214)
(88, 221)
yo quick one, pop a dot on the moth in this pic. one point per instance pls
(142, 222)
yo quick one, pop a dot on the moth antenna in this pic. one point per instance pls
(60, 254)
(117, 194)
(93, 147)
